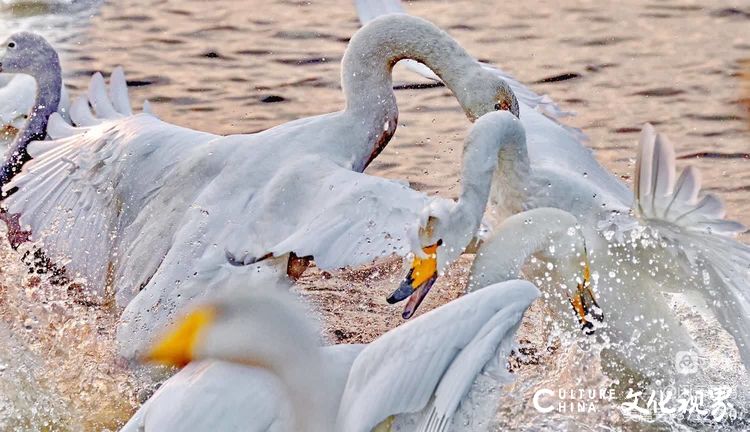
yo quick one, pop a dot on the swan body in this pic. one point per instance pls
(223, 396)
(430, 374)
(112, 202)
(685, 243)
(668, 240)
(364, 217)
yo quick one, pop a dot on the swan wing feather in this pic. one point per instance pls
(662, 200)
(362, 217)
(697, 230)
(492, 343)
(309, 206)
(79, 192)
(417, 363)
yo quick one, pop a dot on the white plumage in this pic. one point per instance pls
(17, 93)
(368, 10)
(438, 366)
(138, 204)
(665, 238)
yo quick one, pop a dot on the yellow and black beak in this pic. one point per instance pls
(584, 303)
(418, 281)
(177, 346)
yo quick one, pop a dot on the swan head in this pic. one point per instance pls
(27, 53)
(262, 329)
(570, 257)
(560, 262)
(486, 92)
(266, 329)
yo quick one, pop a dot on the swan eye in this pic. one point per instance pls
(11, 44)
(502, 106)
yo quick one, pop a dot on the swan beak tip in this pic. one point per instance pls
(584, 304)
(418, 282)
(176, 347)
(420, 293)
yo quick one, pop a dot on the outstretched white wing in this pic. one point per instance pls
(311, 206)
(84, 187)
(367, 10)
(428, 365)
(351, 218)
(696, 227)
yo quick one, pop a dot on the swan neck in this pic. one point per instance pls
(377, 47)
(49, 86)
(486, 159)
(511, 185)
(502, 256)
(368, 63)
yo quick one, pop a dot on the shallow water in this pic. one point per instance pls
(676, 64)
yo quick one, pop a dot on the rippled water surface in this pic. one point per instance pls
(241, 66)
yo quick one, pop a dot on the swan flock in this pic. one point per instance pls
(198, 254)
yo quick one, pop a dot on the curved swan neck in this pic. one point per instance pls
(377, 47)
(491, 135)
(487, 155)
(502, 256)
(49, 86)
(511, 186)
(368, 63)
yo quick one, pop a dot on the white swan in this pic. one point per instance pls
(685, 243)
(36, 60)
(116, 204)
(443, 368)
(552, 146)
(368, 10)
(37, 92)
(671, 241)
(364, 210)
